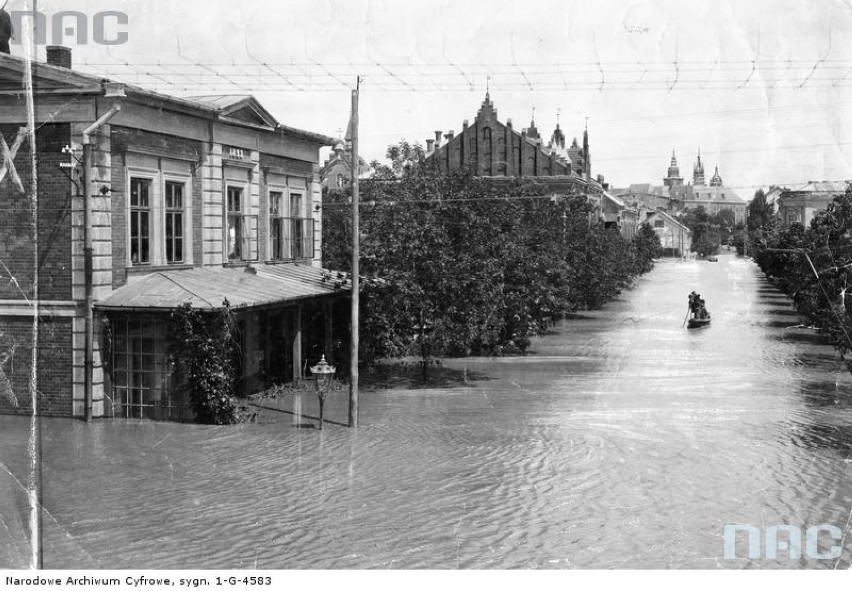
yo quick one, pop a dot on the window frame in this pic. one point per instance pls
(157, 180)
(296, 226)
(140, 372)
(150, 176)
(276, 221)
(295, 233)
(186, 211)
(239, 214)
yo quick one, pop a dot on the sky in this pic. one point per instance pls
(762, 88)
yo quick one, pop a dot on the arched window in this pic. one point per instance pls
(487, 150)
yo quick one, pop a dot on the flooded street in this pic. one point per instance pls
(622, 440)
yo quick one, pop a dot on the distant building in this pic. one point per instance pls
(646, 196)
(673, 195)
(799, 205)
(773, 193)
(336, 173)
(675, 238)
(714, 199)
(491, 148)
(617, 214)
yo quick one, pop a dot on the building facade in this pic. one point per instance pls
(675, 238)
(192, 200)
(491, 148)
(798, 205)
(496, 150)
(674, 195)
(336, 173)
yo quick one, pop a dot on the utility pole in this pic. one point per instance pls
(353, 353)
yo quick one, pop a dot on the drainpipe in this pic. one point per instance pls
(88, 251)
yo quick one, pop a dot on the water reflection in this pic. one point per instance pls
(622, 440)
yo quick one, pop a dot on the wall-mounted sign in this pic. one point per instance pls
(237, 153)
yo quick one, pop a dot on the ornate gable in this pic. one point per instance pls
(249, 110)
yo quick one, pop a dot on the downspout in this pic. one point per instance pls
(88, 252)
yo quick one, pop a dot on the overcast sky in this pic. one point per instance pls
(764, 89)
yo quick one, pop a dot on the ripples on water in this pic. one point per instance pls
(622, 440)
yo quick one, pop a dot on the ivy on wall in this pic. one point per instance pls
(204, 349)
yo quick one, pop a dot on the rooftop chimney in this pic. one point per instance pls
(438, 139)
(57, 55)
(430, 146)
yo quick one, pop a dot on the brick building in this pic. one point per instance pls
(490, 148)
(193, 200)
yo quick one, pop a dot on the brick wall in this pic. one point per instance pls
(54, 219)
(53, 370)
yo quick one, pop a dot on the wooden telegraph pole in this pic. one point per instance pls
(353, 353)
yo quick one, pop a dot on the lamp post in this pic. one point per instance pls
(323, 373)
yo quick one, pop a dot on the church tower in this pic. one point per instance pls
(698, 172)
(673, 179)
(557, 139)
(532, 130)
(716, 181)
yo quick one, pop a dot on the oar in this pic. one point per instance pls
(685, 317)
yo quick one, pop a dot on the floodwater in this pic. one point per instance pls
(621, 441)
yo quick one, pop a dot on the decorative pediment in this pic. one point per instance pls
(250, 114)
(242, 108)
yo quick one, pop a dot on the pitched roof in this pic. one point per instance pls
(242, 107)
(668, 218)
(617, 201)
(643, 189)
(832, 187)
(207, 287)
(713, 195)
(237, 109)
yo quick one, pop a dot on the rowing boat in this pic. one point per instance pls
(698, 322)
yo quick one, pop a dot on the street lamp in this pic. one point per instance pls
(324, 374)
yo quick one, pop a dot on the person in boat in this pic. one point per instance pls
(694, 305)
(702, 310)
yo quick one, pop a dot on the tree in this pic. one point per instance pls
(647, 245)
(458, 265)
(404, 159)
(813, 265)
(705, 230)
(760, 211)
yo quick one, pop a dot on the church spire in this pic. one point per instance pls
(557, 138)
(532, 131)
(698, 171)
(716, 181)
(673, 177)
